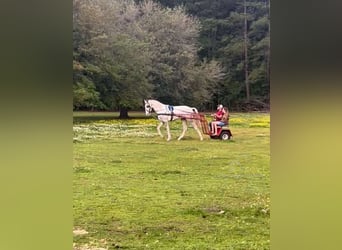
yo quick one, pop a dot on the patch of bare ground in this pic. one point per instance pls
(87, 247)
(80, 232)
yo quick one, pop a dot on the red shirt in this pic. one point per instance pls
(218, 115)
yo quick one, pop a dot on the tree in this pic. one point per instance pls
(245, 32)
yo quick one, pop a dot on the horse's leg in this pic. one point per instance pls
(158, 129)
(168, 131)
(185, 127)
(194, 124)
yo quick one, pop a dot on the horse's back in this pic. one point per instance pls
(186, 109)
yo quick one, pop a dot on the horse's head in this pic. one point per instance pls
(148, 107)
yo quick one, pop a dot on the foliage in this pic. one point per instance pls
(84, 91)
(141, 49)
(221, 39)
(121, 59)
(171, 195)
(162, 50)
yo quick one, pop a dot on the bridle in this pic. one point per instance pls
(149, 108)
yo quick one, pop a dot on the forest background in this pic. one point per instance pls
(191, 52)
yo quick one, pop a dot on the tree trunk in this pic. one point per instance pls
(246, 54)
(123, 113)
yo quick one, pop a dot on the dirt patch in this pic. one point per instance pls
(79, 231)
(91, 246)
(87, 247)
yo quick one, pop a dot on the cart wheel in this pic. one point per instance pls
(225, 135)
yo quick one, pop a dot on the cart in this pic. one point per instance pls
(223, 132)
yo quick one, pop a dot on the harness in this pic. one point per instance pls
(171, 108)
(169, 111)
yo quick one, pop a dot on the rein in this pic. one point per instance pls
(181, 116)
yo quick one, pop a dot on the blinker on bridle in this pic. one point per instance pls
(150, 109)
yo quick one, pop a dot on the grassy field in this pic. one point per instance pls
(134, 190)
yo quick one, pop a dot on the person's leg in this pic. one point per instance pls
(215, 128)
(218, 124)
(212, 127)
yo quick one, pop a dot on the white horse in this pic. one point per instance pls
(167, 113)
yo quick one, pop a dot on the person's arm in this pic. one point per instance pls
(219, 115)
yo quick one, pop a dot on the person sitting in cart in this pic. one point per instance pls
(221, 119)
(217, 116)
(219, 113)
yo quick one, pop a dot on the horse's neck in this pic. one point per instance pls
(158, 106)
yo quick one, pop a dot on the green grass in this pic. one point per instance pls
(134, 190)
(88, 116)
